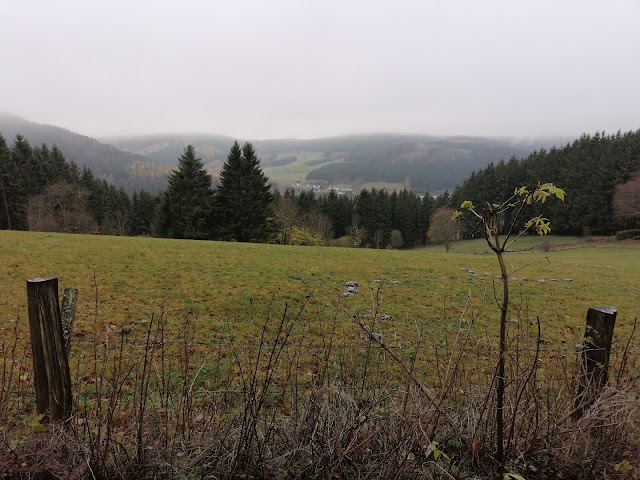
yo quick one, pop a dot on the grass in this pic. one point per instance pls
(527, 242)
(296, 171)
(224, 282)
(223, 395)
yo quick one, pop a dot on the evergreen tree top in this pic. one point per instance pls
(244, 198)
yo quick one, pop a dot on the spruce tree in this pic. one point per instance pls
(244, 199)
(144, 206)
(13, 194)
(185, 207)
(30, 163)
(339, 208)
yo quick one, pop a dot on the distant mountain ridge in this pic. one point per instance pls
(419, 162)
(123, 169)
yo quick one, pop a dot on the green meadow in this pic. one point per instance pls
(204, 334)
(230, 288)
(296, 171)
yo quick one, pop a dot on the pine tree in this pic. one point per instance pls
(244, 202)
(185, 207)
(340, 211)
(144, 206)
(13, 196)
(61, 169)
(30, 163)
(426, 209)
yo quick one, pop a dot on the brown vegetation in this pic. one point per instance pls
(442, 229)
(626, 202)
(61, 208)
(327, 406)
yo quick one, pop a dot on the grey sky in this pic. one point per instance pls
(301, 68)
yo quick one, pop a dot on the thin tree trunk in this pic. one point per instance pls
(501, 367)
(6, 207)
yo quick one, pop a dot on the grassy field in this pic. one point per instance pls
(246, 349)
(295, 171)
(532, 242)
(228, 285)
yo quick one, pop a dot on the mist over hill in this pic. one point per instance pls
(420, 162)
(121, 168)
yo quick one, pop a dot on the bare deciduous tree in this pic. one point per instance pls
(442, 229)
(355, 231)
(319, 224)
(626, 201)
(62, 207)
(287, 214)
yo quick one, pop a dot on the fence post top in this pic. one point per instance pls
(605, 309)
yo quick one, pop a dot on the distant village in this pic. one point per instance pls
(346, 191)
(321, 188)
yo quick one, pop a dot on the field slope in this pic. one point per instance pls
(230, 285)
(216, 343)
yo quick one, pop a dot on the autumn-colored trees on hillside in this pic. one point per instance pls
(626, 202)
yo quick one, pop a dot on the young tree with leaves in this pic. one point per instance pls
(487, 223)
(186, 204)
(244, 202)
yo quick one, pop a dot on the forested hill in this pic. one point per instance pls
(588, 170)
(422, 163)
(419, 162)
(124, 169)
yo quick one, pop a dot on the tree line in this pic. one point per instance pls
(373, 218)
(41, 191)
(596, 171)
(244, 208)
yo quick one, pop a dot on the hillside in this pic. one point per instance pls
(123, 169)
(420, 162)
(587, 169)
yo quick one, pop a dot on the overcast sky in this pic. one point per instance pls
(312, 68)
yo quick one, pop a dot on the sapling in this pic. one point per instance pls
(486, 224)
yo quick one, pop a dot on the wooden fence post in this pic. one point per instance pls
(69, 301)
(596, 348)
(50, 361)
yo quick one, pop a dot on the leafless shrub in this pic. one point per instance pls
(148, 406)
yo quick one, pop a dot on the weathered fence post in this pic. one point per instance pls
(596, 348)
(69, 301)
(50, 361)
